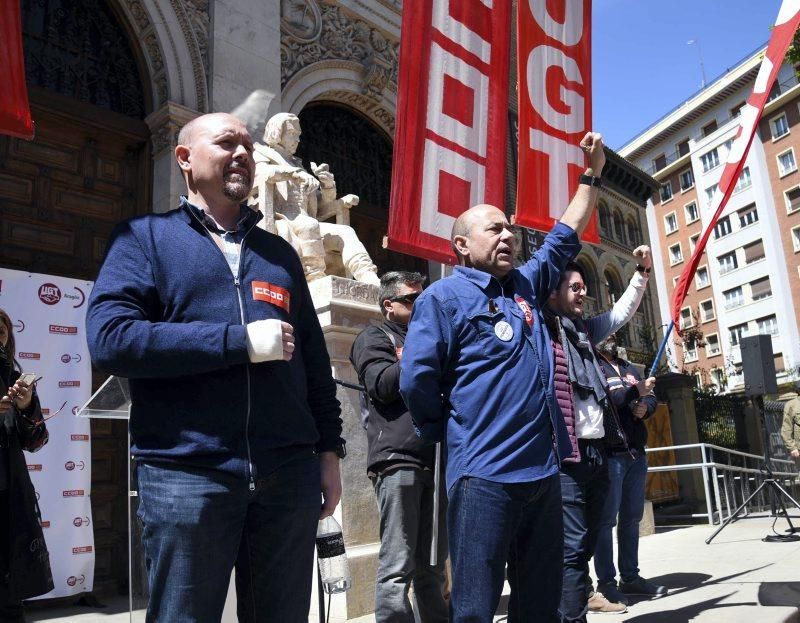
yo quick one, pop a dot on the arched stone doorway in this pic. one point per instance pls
(360, 157)
(88, 166)
(87, 169)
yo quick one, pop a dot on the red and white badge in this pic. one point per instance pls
(264, 291)
(526, 309)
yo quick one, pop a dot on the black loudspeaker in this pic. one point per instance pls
(758, 365)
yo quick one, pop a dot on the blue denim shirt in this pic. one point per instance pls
(491, 398)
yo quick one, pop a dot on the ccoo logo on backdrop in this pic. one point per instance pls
(49, 293)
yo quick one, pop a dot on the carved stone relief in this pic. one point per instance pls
(313, 31)
(194, 20)
(378, 113)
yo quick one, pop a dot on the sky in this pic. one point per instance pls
(642, 66)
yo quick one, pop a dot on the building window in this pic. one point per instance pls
(737, 332)
(792, 199)
(709, 160)
(717, 376)
(686, 319)
(605, 225)
(710, 193)
(712, 345)
(786, 163)
(796, 239)
(768, 325)
(744, 180)
(675, 254)
(659, 162)
(727, 262)
(692, 213)
(671, 223)
(760, 289)
(634, 237)
(754, 252)
(619, 230)
(747, 215)
(683, 147)
(693, 242)
(666, 192)
(710, 128)
(687, 180)
(690, 350)
(737, 110)
(734, 297)
(707, 310)
(779, 126)
(701, 277)
(723, 227)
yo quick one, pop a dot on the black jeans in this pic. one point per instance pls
(10, 610)
(584, 487)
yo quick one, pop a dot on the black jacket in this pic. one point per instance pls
(391, 437)
(29, 572)
(622, 388)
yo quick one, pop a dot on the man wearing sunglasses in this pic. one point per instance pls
(400, 466)
(582, 392)
(477, 373)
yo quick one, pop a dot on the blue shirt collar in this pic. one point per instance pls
(480, 278)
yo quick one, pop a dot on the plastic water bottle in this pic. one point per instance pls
(333, 567)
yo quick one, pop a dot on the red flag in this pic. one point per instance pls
(785, 27)
(15, 115)
(554, 45)
(452, 116)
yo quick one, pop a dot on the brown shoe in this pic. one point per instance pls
(598, 604)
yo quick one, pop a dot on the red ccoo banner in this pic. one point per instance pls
(15, 116)
(554, 47)
(452, 119)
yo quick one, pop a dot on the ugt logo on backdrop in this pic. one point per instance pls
(49, 293)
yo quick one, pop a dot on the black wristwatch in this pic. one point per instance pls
(643, 270)
(591, 180)
(340, 449)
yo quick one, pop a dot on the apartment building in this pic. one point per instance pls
(747, 280)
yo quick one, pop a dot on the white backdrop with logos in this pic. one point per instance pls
(48, 313)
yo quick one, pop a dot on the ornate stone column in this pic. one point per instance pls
(164, 124)
(345, 307)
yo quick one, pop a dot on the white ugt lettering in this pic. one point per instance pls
(561, 155)
(541, 59)
(568, 33)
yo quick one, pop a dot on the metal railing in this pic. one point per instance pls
(729, 477)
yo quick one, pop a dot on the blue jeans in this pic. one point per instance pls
(491, 524)
(584, 487)
(197, 524)
(627, 475)
(405, 503)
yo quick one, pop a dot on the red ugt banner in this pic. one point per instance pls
(15, 116)
(452, 119)
(554, 45)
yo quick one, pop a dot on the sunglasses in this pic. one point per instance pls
(405, 299)
(577, 287)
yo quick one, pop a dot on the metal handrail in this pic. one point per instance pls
(711, 484)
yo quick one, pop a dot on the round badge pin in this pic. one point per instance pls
(504, 331)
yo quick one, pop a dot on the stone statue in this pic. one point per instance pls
(296, 203)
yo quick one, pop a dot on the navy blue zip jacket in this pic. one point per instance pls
(167, 313)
